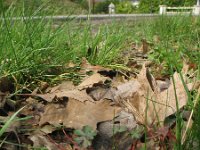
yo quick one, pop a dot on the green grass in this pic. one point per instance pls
(49, 7)
(33, 49)
(9, 121)
(28, 46)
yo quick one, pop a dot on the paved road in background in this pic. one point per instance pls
(96, 17)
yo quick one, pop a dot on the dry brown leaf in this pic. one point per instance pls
(41, 141)
(118, 80)
(146, 95)
(43, 85)
(35, 91)
(163, 85)
(145, 46)
(87, 67)
(3, 97)
(89, 81)
(126, 90)
(47, 129)
(193, 86)
(158, 105)
(64, 86)
(75, 94)
(53, 114)
(98, 93)
(49, 97)
(77, 114)
(80, 114)
(121, 92)
(168, 96)
(70, 64)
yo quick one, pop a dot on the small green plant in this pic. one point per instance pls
(136, 132)
(119, 129)
(85, 136)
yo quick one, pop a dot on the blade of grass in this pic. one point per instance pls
(10, 121)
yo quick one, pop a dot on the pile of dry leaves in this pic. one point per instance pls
(113, 111)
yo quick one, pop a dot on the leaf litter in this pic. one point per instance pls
(104, 103)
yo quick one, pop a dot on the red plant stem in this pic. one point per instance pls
(134, 145)
(70, 139)
(57, 145)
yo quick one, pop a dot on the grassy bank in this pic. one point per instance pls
(32, 50)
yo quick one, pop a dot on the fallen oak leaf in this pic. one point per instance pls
(91, 80)
(53, 114)
(64, 86)
(49, 97)
(77, 114)
(75, 94)
(87, 67)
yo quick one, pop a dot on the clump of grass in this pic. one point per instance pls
(100, 45)
(178, 35)
(29, 47)
(32, 49)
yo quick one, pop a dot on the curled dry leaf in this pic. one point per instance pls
(87, 67)
(155, 104)
(91, 80)
(77, 114)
